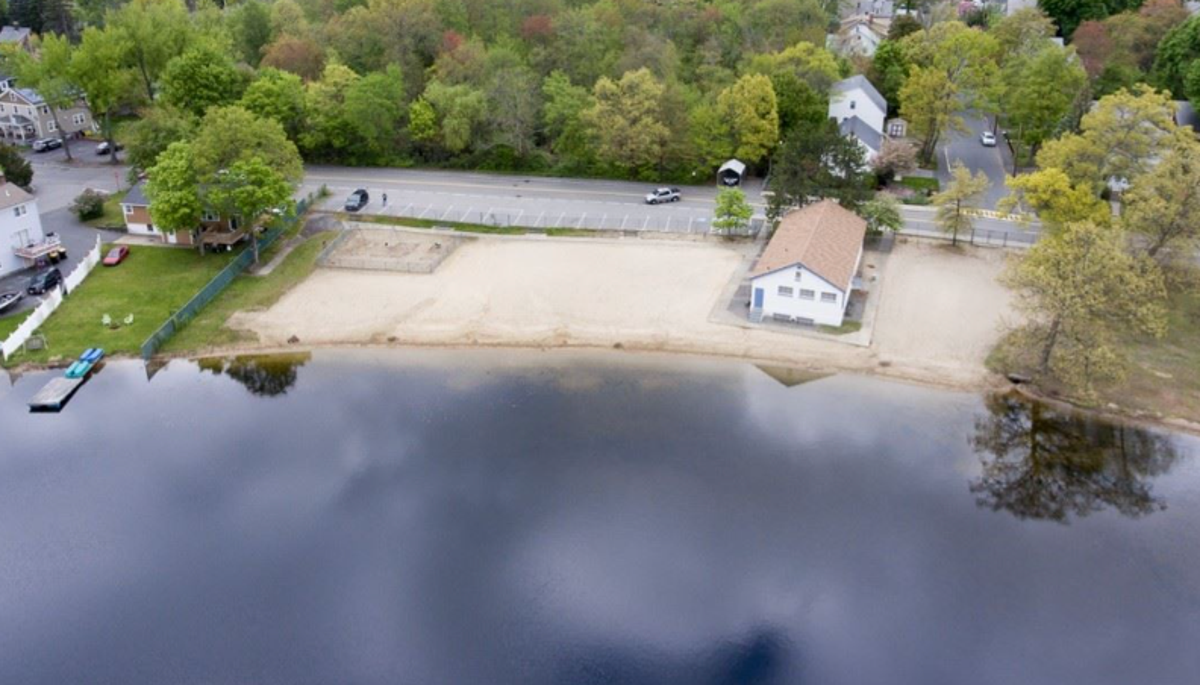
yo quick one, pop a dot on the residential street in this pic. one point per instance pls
(965, 147)
(490, 198)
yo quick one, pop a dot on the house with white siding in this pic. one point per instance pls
(856, 99)
(21, 237)
(807, 272)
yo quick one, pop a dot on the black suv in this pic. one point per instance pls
(357, 200)
(44, 281)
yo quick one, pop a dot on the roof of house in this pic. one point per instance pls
(860, 129)
(1185, 115)
(137, 196)
(12, 195)
(13, 34)
(860, 82)
(824, 237)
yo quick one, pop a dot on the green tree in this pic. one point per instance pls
(157, 30)
(1176, 53)
(48, 71)
(710, 136)
(1163, 206)
(107, 84)
(749, 108)
(1121, 137)
(461, 111)
(374, 108)
(732, 213)
(1023, 32)
(248, 189)
(422, 121)
(816, 162)
(150, 135)
(1068, 14)
(1041, 89)
(228, 135)
(1056, 200)
(514, 99)
(277, 95)
(813, 65)
(889, 71)
(627, 120)
(174, 190)
(563, 115)
(250, 27)
(15, 167)
(329, 134)
(797, 102)
(953, 68)
(955, 202)
(202, 77)
(1078, 288)
(882, 213)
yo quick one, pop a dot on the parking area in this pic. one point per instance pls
(77, 238)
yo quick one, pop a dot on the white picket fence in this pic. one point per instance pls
(54, 298)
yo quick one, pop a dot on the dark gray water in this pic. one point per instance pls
(462, 517)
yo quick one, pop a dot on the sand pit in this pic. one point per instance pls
(385, 249)
(636, 295)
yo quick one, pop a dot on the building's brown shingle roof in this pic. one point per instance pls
(824, 237)
(12, 195)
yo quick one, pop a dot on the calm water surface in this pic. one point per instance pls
(460, 517)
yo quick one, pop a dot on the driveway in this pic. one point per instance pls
(78, 240)
(965, 147)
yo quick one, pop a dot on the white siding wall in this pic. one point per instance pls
(815, 310)
(855, 103)
(12, 225)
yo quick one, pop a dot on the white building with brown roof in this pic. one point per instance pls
(807, 272)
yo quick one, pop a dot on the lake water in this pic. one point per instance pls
(502, 517)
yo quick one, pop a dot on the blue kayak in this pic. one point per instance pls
(83, 366)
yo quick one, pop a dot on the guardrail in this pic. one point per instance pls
(218, 284)
(38, 316)
(981, 237)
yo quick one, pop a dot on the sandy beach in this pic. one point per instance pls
(939, 312)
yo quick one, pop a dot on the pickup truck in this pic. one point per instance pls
(663, 195)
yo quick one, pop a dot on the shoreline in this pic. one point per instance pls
(988, 383)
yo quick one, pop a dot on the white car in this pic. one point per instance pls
(988, 139)
(663, 195)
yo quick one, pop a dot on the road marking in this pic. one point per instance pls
(423, 211)
(541, 216)
(580, 224)
(623, 220)
(446, 213)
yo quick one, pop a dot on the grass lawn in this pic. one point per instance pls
(920, 183)
(248, 293)
(113, 217)
(1164, 375)
(151, 284)
(846, 328)
(9, 323)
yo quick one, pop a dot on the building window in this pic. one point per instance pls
(45, 110)
(829, 297)
(807, 294)
(209, 216)
(20, 210)
(896, 129)
(51, 126)
(852, 103)
(128, 209)
(785, 291)
(78, 119)
(799, 273)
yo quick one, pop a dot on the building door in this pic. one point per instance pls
(758, 298)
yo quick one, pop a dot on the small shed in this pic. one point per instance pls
(731, 173)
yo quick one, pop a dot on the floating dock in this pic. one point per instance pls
(54, 395)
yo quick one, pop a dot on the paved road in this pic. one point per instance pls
(520, 200)
(998, 232)
(965, 147)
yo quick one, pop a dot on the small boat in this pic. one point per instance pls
(9, 299)
(86, 362)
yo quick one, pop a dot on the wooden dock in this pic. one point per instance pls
(54, 395)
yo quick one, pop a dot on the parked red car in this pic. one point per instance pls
(116, 255)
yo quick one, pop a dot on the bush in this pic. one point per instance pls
(16, 168)
(89, 205)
